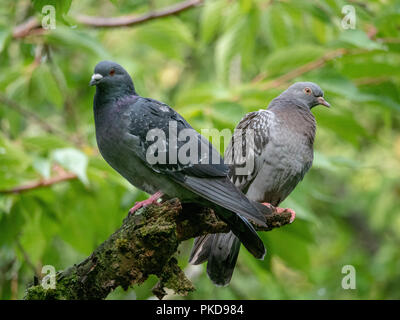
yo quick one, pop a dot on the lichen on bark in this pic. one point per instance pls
(145, 244)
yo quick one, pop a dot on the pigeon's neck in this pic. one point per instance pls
(290, 105)
(107, 96)
(296, 116)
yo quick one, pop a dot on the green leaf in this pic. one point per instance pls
(42, 166)
(236, 41)
(168, 36)
(61, 6)
(75, 40)
(73, 160)
(275, 26)
(291, 248)
(11, 224)
(33, 238)
(302, 211)
(13, 163)
(286, 59)
(211, 19)
(359, 39)
(44, 143)
(44, 84)
(228, 112)
(343, 125)
(5, 35)
(6, 203)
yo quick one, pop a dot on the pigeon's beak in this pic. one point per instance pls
(322, 101)
(95, 79)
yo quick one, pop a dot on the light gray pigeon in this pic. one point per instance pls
(124, 121)
(281, 152)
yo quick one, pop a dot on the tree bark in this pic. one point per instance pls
(145, 244)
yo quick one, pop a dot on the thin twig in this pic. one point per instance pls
(65, 176)
(32, 25)
(25, 28)
(135, 20)
(371, 81)
(302, 69)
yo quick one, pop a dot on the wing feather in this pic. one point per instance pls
(164, 123)
(206, 174)
(249, 140)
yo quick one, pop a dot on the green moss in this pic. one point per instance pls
(39, 293)
(122, 244)
(128, 257)
(173, 278)
(66, 288)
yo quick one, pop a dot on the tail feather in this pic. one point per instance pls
(224, 193)
(233, 208)
(221, 250)
(222, 258)
(201, 249)
(244, 230)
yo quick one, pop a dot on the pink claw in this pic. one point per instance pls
(293, 215)
(152, 200)
(282, 210)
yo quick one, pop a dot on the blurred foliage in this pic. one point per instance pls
(212, 64)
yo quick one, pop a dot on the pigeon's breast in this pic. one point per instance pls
(285, 159)
(114, 151)
(111, 128)
(291, 149)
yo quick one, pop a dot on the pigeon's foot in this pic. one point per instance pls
(282, 210)
(291, 211)
(152, 200)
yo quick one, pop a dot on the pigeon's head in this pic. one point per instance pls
(111, 77)
(307, 93)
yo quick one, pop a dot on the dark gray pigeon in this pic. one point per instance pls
(123, 121)
(281, 153)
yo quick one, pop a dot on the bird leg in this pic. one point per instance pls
(281, 210)
(152, 200)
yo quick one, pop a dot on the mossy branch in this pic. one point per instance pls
(145, 244)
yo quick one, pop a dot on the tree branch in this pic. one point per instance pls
(32, 25)
(64, 176)
(300, 70)
(134, 19)
(145, 244)
(26, 28)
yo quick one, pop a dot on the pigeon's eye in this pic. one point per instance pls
(307, 90)
(112, 72)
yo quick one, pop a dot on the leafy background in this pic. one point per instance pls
(213, 64)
